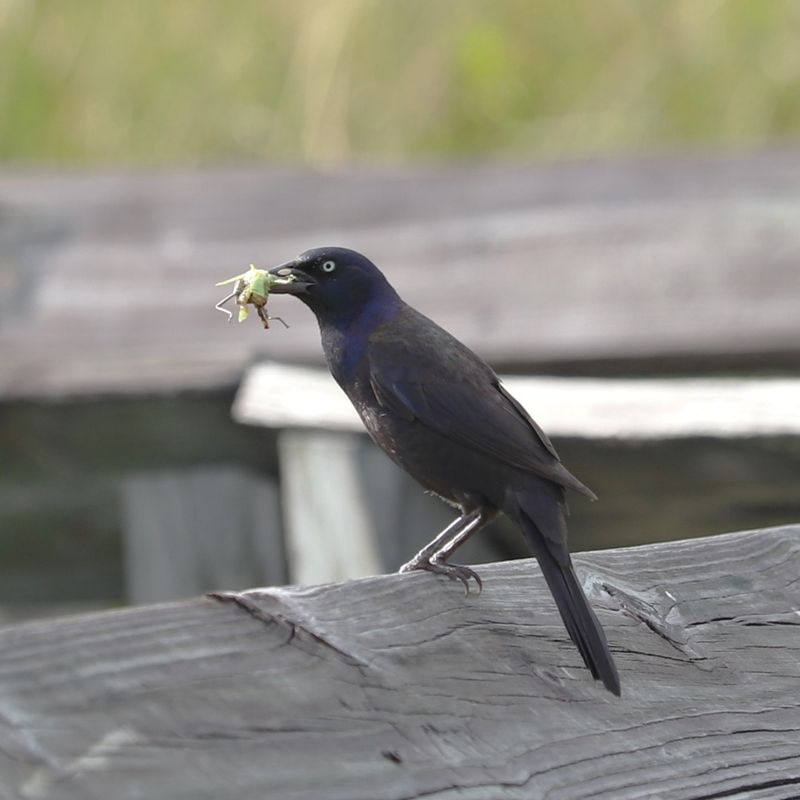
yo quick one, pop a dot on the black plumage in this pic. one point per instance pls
(443, 415)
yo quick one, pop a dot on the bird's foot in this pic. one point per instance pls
(456, 572)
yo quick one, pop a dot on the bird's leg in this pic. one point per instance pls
(432, 547)
(482, 516)
(432, 557)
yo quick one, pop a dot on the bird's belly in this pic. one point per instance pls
(455, 473)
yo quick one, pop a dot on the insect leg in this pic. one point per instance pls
(222, 302)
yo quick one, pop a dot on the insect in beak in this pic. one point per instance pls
(252, 288)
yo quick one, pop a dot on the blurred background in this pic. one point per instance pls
(581, 191)
(194, 81)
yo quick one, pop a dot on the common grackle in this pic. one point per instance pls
(443, 415)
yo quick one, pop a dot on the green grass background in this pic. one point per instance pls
(327, 81)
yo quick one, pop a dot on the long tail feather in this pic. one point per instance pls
(580, 621)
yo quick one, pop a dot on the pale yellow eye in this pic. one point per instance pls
(329, 266)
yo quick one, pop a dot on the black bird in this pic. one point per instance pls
(443, 415)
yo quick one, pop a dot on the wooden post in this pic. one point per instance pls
(186, 532)
(328, 530)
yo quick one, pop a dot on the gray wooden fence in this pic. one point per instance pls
(333, 480)
(400, 687)
(622, 265)
(106, 279)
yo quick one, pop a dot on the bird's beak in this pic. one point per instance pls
(289, 269)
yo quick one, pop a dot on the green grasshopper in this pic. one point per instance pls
(251, 288)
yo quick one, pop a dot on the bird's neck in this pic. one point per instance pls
(345, 338)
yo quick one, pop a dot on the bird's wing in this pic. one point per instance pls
(446, 387)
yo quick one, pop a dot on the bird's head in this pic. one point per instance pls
(337, 284)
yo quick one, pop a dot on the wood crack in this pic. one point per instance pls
(749, 787)
(639, 609)
(294, 627)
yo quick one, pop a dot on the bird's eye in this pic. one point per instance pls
(328, 266)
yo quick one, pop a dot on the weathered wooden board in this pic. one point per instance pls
(184, 530)
(400, 687)
(67, 468)
(280, 395)
(106, 279)
(322, 491)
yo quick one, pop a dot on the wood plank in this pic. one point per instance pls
(62, 471)
(279, 395)
(400, 687)
(186, 530)
(106, 279)
(328, 532)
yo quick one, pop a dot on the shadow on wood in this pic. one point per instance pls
(400, 687)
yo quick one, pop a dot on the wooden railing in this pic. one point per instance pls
(401, 687)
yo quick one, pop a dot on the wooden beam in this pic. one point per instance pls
(278, 395)
(400, 687)
(107, 278)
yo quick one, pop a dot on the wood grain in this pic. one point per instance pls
(400, 687)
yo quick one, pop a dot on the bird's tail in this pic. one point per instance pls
(549, 547)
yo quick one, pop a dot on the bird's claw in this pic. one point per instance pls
(456, 572)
